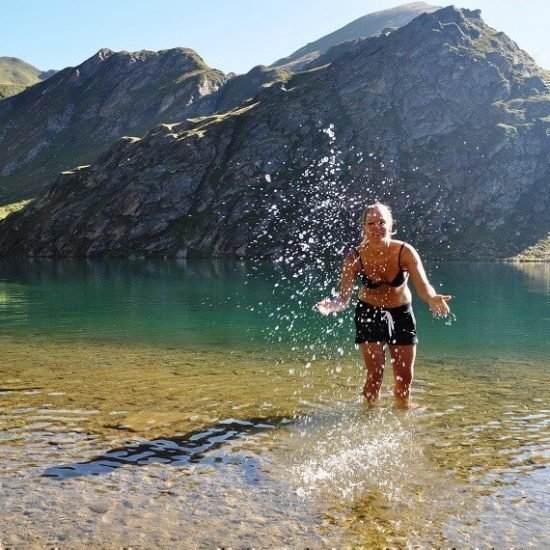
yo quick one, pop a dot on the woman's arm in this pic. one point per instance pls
(411, 261)
(345, 289)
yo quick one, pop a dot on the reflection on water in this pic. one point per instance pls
(537, 276)
(501, 309)
(498, 315)
(13, 304)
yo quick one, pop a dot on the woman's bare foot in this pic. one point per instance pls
(406, 404)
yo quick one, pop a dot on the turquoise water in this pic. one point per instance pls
(500, 310)
(135, 389)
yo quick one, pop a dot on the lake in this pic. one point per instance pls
(205, 403)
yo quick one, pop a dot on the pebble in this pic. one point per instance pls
(99, 508)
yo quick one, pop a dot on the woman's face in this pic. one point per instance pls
(377, 227)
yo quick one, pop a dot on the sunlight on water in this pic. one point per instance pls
(182, 423)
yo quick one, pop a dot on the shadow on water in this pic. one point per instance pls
(191, 448)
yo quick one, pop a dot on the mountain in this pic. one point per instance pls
(16, 75)
(368, 25)
(445, 118)
(72, 116)
(84, 109)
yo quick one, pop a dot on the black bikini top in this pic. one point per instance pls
(399, 279)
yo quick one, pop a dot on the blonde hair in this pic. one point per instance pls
(384, 209)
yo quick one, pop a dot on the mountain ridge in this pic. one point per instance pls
(71, 117)
(365, 26)
(58, 135)
(444, 118)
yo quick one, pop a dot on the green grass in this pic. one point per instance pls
(16, 71)
(8, 209)
(7, 90)
(539, 252)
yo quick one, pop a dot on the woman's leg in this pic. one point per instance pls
(402, 358)
(375, 359)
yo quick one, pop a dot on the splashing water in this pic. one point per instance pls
(306, 228)
(449, 319)
(345, 450)
(347, 453)
(305, 233)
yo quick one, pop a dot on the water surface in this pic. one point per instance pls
(143, 402)
(500, 309)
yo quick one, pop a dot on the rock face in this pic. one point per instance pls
(69, 118)
(368, 25)
(83, 110)
(244, 87)
(445, 118)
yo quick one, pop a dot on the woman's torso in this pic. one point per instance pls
(384, 277)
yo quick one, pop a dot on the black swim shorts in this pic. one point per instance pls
(388, 325)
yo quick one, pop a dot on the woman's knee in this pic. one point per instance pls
(403, 364)
(404, 376)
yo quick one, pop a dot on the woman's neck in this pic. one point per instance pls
(376, 245)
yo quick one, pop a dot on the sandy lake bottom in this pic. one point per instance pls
(142, 446)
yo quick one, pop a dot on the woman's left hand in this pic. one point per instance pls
(327, 306)
(438, 305)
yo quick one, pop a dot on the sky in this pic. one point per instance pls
(231, 35)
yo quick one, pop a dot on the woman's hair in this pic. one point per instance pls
(384, 209)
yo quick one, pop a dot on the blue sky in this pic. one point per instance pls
(231, 35)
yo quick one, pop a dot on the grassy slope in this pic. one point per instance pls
(7, 90)
(8, 209)
(16, 71)
(16, 75)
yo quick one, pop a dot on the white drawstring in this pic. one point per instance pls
(389, 320)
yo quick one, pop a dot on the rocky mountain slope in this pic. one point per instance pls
(72, 116)
(85, 109)
(16, 75)
(444, 118)
(368, 25)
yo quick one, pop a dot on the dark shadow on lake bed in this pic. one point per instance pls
(190, 448)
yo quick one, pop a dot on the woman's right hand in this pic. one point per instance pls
(328, 306)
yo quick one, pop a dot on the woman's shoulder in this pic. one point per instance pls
(401, 245)
(353, 258)
(406, 251)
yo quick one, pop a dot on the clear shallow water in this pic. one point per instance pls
(160, 378)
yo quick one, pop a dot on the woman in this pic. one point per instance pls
(383, 315)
